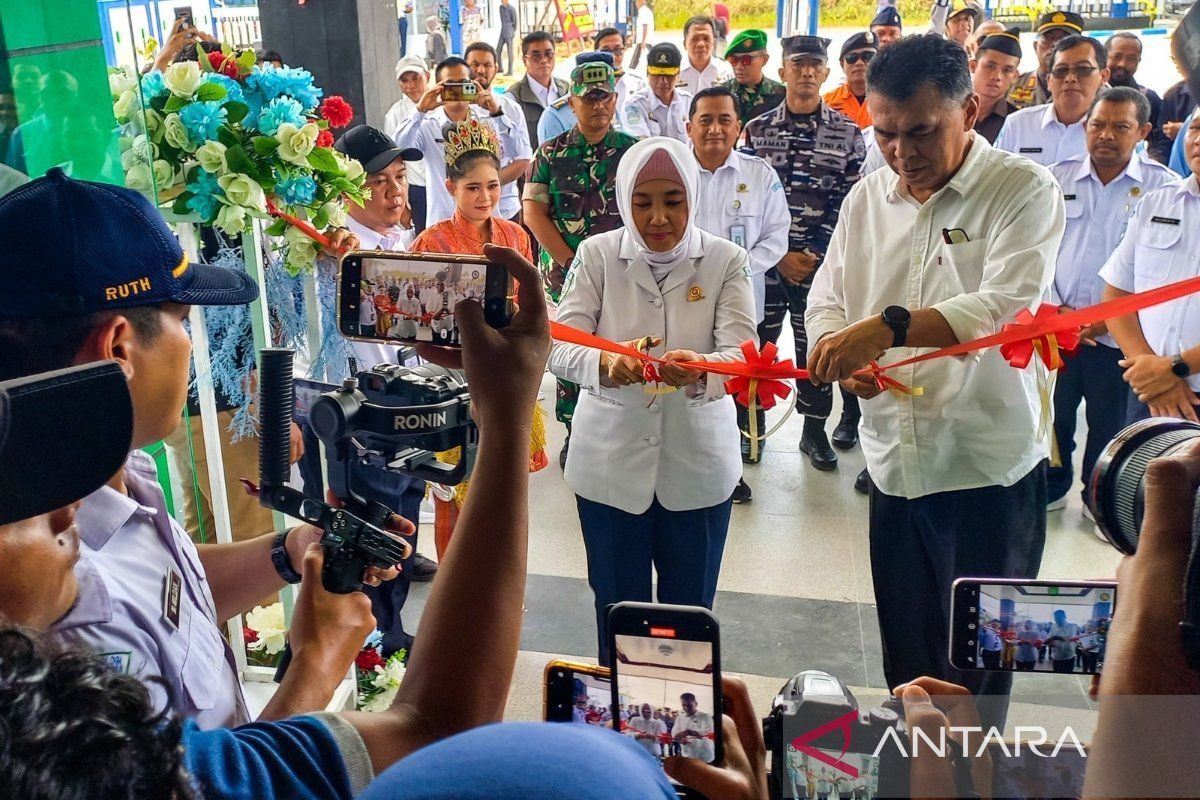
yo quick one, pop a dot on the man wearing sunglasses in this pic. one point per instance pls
(851, 97)
(1032, 87)
(1055, 132)
(756, 94)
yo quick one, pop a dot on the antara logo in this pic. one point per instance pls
(409, 422)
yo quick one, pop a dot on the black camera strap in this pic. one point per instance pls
(1190, 627)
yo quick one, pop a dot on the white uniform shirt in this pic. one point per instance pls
(683, 447)
(401, 110)
(130, 549)
(545, 94)
(645, 19)
(703, 749)
(424, 132)
(436, 301)
(976, 424)
(1161, 246)
(744, 202)
(652, 726)
(369, 354)
(627, 86)
(1096, 219)
(873, 159)
(1036, 133)
(693, 80)
(646, 115)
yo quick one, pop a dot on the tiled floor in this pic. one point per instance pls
(795, 590)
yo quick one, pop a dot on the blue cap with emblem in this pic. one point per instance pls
(71, 247)
(888, 18)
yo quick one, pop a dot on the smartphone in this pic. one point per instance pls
(462, 91)
(185, 13)
(406, 298)
(666, 679)
(1030, 626)
(577, 692)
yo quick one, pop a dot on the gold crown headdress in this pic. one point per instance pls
(465, 137)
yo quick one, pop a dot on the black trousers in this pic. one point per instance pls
(1091, 376)
(920, 546)
(416, 200)
(783, 298)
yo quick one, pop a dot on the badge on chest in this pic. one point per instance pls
(172, 597)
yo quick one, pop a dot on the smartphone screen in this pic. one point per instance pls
(666, 693)
(578, 694)
(404, 298)
(1031, 626)
(185, 14)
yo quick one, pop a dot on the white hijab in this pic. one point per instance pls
(631, 166)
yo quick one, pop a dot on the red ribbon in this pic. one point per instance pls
(1048, 346)
(305, 228)
(766, 391)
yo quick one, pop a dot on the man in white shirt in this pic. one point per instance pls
(1063, 642)
(647, 731)
(413, 78)
(702, 69)
(538, 89)
(1161, 344)
(643, 30)
(660, 109)
(423, 131)
(439, 302)
(516, 152)
(745, 204)
(950, 243)
(1055, 132)
(693, 731)
(1101, 191)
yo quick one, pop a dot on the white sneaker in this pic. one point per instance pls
(1057, 505)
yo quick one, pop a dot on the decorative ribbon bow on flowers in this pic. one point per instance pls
(755, 392)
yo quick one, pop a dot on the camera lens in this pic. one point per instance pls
(1118, 481)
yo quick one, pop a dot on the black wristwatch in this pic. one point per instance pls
(497, 114)
(897, 318)
(1179, 367)
(280, 559)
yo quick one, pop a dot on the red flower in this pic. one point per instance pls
(223, 64)
(337, 111)
(368, 659)
(324, 139)
(249, 634)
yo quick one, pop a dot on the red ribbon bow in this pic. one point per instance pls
(767, 390)
(1048, 346)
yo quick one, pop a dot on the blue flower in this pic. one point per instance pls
(233, 89)
(269, 83)
(202, 120)
(298, 83)
(277, 112)
(152, 85)
(296, 190)
(204, 191)
(266, 82)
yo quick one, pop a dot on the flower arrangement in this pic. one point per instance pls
(265, 633)
(225, 137)
(378, 678)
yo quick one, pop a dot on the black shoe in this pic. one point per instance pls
(815, 445)
(862, 483)
(422, 569)
(741, 492)
(562, 454)
(845, 435)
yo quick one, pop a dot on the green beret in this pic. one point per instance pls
(748, 41)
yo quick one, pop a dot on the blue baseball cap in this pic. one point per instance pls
(71, 247)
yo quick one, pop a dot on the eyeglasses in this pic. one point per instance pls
(741, 61)
(616, 51)
(1080, 72)
(864, 57)
(540, 55)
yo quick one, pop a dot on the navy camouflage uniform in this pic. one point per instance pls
(818, 157)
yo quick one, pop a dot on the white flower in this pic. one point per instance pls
(266, 622)
(336, 213)
(122, 80)
(126, 106)
(139, 150)
(240, 189)
(296, 143)
(183, 78)
(387, 678)
(232, 219)
(350, 166)
(153, 123)
(176, 134)
(164, 174)
(211, 157)
(137, 176)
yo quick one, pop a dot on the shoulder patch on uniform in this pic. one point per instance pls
(746, 269)
(560, 102)
(120, 661)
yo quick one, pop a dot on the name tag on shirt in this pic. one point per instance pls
(1030, 150)
(737, 235)
(172, 595)
(1165, 220)
(1069, 196)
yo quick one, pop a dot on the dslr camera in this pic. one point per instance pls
(390, 416)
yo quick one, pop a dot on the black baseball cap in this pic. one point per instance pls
(70, 247)
(63, 434)
(860, 41)
(373, 148)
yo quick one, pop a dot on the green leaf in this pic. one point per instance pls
(265, 145)
(190, 175)
(245, 60)
(211, 91)
(180, 204)
(321, 220)
(321, 158)
(276, 228)
(205, 64)
(228, 136)
(238, 160)
(236, 111)
(174, 103)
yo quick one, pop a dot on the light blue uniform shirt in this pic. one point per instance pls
(131, 550)
(1097, 216)
(1178, 158)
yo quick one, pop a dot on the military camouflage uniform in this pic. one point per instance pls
(578, 181)
(818, 157)
(753, 101)
(1028, 91)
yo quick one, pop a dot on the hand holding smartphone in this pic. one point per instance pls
(460, 91)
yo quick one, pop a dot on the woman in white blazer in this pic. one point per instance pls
(653, 475)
